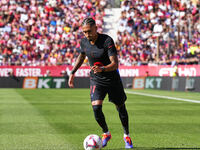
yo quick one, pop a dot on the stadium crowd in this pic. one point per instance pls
(159, 32)
(47, 32)
(44, 32)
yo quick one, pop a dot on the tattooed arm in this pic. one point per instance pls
(77, 65)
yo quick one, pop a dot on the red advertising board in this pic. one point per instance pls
(125, 71)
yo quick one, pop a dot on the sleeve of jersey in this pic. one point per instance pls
(111, 47)
(82, 51)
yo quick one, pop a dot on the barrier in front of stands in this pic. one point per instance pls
(161, 83)
(84, 71)
(167, 83)
(53, 82)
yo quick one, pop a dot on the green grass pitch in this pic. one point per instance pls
(60, 119)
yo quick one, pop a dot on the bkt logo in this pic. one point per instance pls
(148, 83)
(34, 82)
(153, 83)
(181, 71)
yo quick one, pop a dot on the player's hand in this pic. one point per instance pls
(71, 81)
(96, 69)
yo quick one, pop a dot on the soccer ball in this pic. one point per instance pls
(92, 142)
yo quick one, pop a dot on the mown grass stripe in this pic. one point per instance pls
(16, 135)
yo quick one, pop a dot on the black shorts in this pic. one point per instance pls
(115, 92)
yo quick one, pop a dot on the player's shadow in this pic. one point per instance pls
(152, 148)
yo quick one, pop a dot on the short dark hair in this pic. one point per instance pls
(88, 21)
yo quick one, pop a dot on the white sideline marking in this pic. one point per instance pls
(165, 97)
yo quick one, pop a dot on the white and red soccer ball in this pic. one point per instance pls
(92, 142)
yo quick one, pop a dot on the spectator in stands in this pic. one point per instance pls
(44, 32)
(163, 27)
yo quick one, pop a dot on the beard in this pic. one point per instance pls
(89, 38)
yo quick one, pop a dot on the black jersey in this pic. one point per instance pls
(100, 52)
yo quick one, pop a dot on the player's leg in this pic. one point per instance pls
(97, 95)
(98, 114)
(118, 97)
(123, 115)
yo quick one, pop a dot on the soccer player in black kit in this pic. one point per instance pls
(104, 77)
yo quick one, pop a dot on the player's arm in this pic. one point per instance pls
(77, 65)
(113, 65)
(110, 67)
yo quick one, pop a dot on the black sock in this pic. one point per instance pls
(99, 116)
(123, 115)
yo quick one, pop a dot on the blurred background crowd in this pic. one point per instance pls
(165, 32)
(44, 32)
(47, 32)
